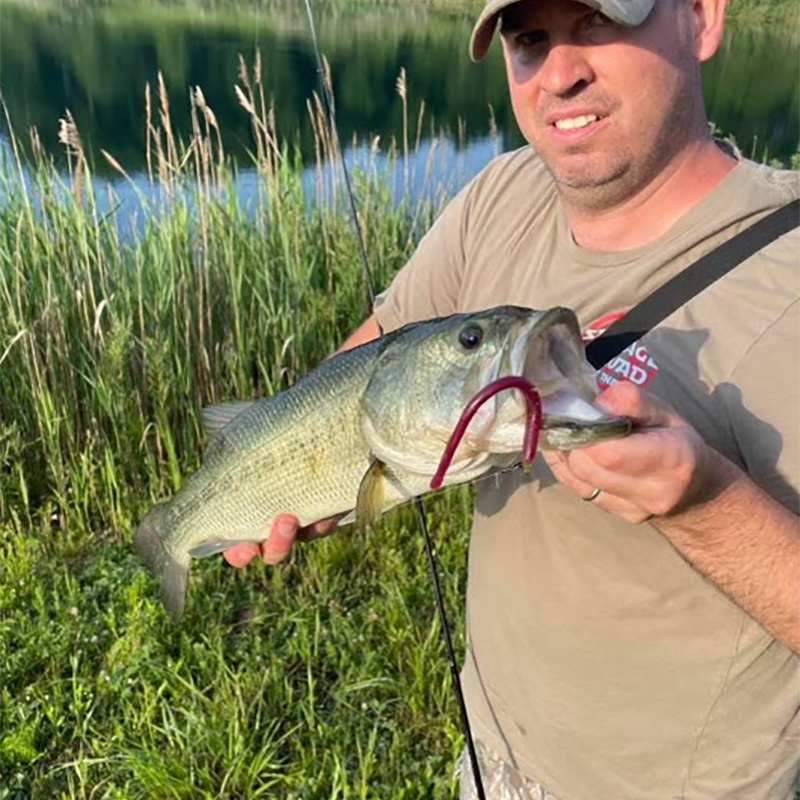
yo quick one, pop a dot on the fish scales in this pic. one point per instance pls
(305, 445)
(366, 429)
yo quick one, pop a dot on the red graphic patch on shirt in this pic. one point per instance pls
(634, 364)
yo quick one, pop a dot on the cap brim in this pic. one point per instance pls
(484, 30)
(626, 12)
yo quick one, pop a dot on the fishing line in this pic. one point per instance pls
(330, 111)
(327, 100)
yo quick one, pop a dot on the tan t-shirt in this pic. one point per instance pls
(599, 662)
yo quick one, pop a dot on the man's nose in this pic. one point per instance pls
(564, 69)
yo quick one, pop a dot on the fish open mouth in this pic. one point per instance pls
(546, 365)
(551, 356)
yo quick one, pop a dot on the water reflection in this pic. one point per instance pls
(97, 62)
(431, 173)
(50, 62)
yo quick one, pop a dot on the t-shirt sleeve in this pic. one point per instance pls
(428, 285)
(762, 400)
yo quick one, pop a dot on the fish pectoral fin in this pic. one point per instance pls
(372, 500)
(347, 518)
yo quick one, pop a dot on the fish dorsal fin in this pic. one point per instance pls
(371, 495)
(215, 418)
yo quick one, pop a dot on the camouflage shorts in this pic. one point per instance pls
(501, 781)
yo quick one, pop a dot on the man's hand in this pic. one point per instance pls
(660, 469)
(284, 533)
(714, 515)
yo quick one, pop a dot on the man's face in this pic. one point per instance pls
(607, 107)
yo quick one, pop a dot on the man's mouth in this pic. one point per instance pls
(571, 123)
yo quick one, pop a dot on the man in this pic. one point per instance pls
(633, 607)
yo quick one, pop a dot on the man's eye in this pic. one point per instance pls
(531, 39)
(529, 45)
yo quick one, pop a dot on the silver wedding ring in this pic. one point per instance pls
(593, 496)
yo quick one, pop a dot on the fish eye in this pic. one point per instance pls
(470, 337)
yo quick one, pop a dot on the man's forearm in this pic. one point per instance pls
(749, 545)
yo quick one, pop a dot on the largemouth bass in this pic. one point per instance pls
(365, 431)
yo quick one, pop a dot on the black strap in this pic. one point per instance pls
(691, 281)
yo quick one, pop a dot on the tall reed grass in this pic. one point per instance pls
(324, 678)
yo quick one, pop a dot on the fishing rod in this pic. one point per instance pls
(327, 100)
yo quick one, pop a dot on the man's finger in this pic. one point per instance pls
(319, 529)
(624, 399)
(241, 555)
(281, 538)
(283, 534)
(559, 464)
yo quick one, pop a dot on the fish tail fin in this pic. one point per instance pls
(173, 571)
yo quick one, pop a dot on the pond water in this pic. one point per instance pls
(96, 62)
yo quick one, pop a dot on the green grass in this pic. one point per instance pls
(323, 678)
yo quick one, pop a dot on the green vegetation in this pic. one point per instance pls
(764, 11)
(324, 678)
(750, 10)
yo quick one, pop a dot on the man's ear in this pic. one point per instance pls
(709, 25)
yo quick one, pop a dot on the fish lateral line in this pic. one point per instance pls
(533, 422)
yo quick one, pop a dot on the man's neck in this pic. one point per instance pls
(647, 215)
